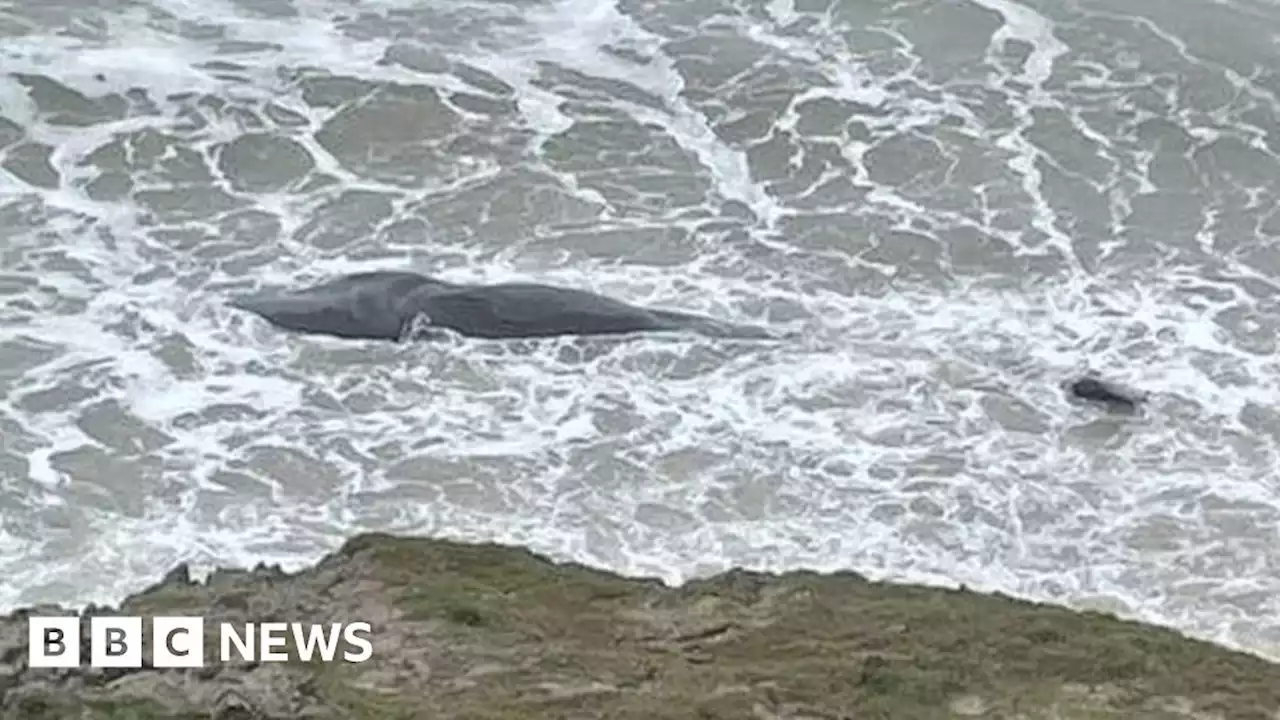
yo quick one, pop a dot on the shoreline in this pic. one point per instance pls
(200, 573)
(487, 631)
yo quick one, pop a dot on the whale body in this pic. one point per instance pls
(398, 305)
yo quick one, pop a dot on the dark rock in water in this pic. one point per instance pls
(1113, 396)
(180, 575)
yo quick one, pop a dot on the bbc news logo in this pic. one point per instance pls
(178, 642)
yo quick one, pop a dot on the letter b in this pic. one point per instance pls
(53, 642)
(115, 642)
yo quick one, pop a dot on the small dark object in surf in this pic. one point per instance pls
(1111, 395)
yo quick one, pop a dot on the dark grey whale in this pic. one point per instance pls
(390, 304)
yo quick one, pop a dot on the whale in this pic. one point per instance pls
(397, 306)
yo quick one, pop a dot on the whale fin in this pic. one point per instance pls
(420, 327)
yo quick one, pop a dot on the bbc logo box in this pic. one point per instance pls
(179, 642)
(115, 641)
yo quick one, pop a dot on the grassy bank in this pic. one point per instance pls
(483, 631)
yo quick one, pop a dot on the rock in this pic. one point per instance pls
(484, 631)
(1109, 394)
(180, 575)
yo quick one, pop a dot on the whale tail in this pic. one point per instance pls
(714, 328)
